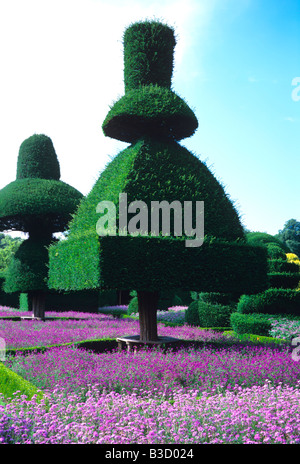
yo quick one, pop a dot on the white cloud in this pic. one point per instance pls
(252, 79)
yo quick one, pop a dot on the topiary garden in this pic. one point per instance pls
(209, 326)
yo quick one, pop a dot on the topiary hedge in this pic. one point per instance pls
(191, 314)
(218, 298)
(214, 315)
(282, 265)
(122, 264)
(285, 280)
(257, 324)
(271, 301)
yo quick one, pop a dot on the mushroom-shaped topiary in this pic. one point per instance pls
(155, 167)
(39, 203)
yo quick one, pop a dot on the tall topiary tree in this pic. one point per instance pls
(155, 167)
(39, 203)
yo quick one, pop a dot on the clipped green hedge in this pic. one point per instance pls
(37, 159)
(51, 201)
(148, 54)
(10, 383)
(275, 252)
(213, 315)
(74, 264)
(266, 240)
(252, 338)
(119, 263)
(28, 269)
(83, 301)
(217, 298)
(271, 301)
(149, 106)
(257, 324)
(284, 280)
(155, 168)
(191, 314)
(135, 116)
(203, 314)
(282, 265)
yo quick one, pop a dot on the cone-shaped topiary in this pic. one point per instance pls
(154, 168)
(39, 203)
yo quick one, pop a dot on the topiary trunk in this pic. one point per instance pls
(38, 300)
(148, 302)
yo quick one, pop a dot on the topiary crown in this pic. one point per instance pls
(37, 159)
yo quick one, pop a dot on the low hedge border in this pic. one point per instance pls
(254, 338)
(100, 344)
(12, 383)
(258, 324)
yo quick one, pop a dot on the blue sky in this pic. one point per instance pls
(235, 61)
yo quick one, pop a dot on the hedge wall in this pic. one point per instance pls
(153, 263)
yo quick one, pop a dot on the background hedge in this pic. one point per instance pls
(271, 301)
(257, 324)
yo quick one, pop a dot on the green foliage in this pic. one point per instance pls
(65, 301)
(10, 383)
(257, 324)
(28, 268)
(37, 159)
(150, 111)
(271, 301)
(107, 298)
(152, 169)
(217, 298)
(257, 339)
(24, 302)
(119, 263)
(8, 247)
(290, 235)
(213, 315)
(284, 279)
(74, 264)
(5, 298)
(148, 54)
(173, 297)
(155, 168)
(280, 273)
(282, 265)
(275, 251)
(34, 203)
(133, 306)
(192, 315)
(263, 239)
(149, 107)
(37, 202)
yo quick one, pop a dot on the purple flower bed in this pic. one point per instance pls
(31, 333)
(241, 394)
(153, 370)
(253, 415)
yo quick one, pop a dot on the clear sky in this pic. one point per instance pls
(236, 65)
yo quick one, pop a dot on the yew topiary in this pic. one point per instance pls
(38, 203)
(155, 167)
